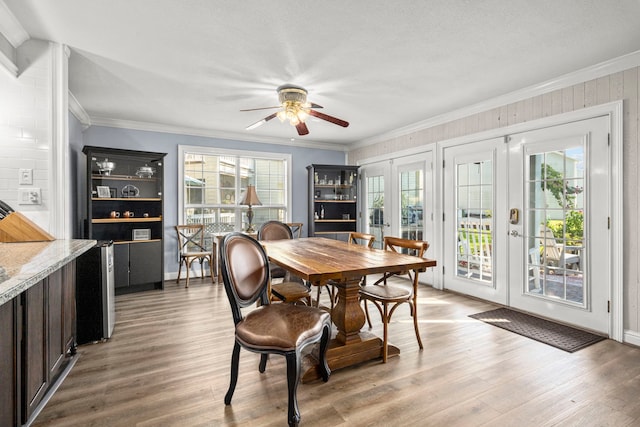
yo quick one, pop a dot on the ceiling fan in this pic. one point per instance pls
(295, 108)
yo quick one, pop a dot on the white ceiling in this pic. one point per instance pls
(380, 65)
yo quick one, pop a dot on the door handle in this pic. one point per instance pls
(515, 233)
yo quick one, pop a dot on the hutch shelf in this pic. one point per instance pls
(333, 200)
(125, 205)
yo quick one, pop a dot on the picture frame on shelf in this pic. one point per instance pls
(113, 192)
(103, 192)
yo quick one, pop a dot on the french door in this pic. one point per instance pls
(559, 247)
(474, 205)
(399, 201)
(527, 221)
(376, 183)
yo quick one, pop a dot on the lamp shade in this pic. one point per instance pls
(250, 197)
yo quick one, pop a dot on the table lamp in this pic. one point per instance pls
(250, 198)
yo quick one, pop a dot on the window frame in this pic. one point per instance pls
(216, 151)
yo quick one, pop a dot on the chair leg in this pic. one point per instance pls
(385, 342)
(188, 264)
(235, 361)
(325, 372)
(179, 270)
(414, 313)
(318, 296)
(263, 362)
(366, 312)
(293, 377)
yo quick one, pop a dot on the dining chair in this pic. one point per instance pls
(296, 229)
(354, 238)
(191, 246)
(292, 288)
(284, 329)
(386, 297)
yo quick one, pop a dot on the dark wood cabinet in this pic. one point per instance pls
(9, 363)
(333, 200)
(125, 205)
(37, 324)
(49, 325)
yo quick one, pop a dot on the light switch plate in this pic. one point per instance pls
(29, 196)
(25, 177)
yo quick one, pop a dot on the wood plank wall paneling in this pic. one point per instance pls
(624, 86)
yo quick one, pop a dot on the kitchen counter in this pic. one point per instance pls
(24, 264)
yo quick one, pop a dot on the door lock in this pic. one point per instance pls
(515, 233)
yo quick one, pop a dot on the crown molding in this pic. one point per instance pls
(10, 27)
(78, 111)
(579, 76)
(156, 127)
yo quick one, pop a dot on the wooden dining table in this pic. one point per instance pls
(320, 260)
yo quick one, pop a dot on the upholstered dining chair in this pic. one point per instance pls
(355, 238)
(191, 246)
(292, 288)
(284, 329)
(387, 298)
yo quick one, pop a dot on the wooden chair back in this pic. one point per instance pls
(296, 229)
(190, 238)
(362, 239)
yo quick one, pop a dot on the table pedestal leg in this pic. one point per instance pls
(347, 315)
(350, 346)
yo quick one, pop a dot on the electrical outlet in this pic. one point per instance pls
(25, 176)
(29, 196)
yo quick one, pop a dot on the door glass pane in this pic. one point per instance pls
(555, 225)
(474, 206)
(411, 204)
(375, 206)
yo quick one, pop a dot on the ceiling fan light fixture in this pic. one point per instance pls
(295, 109)
(303, 115)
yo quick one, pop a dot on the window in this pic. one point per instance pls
(213, 182)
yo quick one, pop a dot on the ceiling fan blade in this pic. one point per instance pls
(261, 122)
(314, 105)
(263, 108)
(302, 128)
(328, 118)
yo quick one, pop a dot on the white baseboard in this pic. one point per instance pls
(631, 337)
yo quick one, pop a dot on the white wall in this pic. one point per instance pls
(25, 128)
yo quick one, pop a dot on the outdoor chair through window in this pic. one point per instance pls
(554, 253)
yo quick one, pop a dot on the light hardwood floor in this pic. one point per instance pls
(167, 364)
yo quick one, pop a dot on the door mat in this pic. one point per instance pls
(560, 336)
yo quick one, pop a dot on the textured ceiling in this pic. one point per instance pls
(380, 65)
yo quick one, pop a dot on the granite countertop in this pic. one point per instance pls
(24, 264)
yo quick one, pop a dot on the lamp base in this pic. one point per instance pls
(250, 228)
